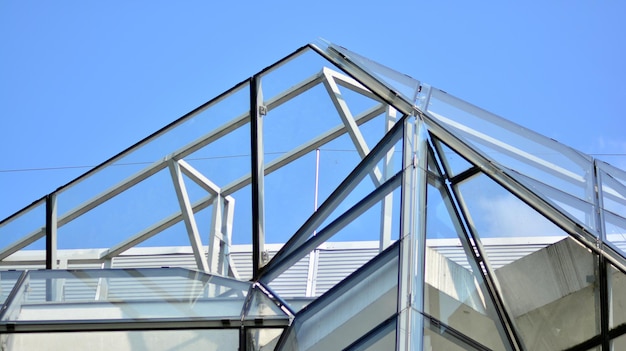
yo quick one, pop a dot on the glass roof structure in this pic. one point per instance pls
(465, 231)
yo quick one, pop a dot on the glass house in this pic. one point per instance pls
(325, 203)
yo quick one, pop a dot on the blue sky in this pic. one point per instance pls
(81, 81)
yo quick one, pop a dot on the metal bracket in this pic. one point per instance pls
(265, 256)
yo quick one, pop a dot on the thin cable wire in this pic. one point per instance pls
(38, 169)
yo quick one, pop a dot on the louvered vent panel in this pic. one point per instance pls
(293, 282)
(182, 260)
(334, 265)
(243, 264)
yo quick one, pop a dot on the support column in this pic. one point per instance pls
(603, 297)
(53, 286)
(51, 231)
(257, 111)
(408, 283)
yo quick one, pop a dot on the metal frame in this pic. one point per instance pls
(420, 129)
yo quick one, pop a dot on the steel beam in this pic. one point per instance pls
(188, 216)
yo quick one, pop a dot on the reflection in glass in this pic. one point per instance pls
(261, 306)
(7, 283)
(496, 213)
(351, 309)
(575, 208)
(619, 343)
(128, 294)
(157, 340)
(382, 338)
(617, 307)
(551, 293)
(262, 339)
(615, 227)
(440, 337)
(613, 194)
(454, 293)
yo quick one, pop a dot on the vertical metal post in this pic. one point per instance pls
(419, 188)
(216, 238)
(314, 255)
(404, 329)
(51, 231)
(257, 111)
(317, 177)
(603, 297)
(51, 245)
(386, 210)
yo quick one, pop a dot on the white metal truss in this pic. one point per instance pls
(417, 126)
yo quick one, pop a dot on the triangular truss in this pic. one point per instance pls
(490, 236)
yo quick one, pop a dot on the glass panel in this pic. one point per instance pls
(496, 213)
(514, 146)
(379, 172)
(336, 261)
(126, 294)
(352, 245)
(224, 166)
(613, 194)
(317, 128)
(7, 282)
(399, 82)
(262, 306)
(124, 215)
(336, 163)
(196, 129)
(454, 293)
(262, 339)
(24, 229)
(615, 227)
(382, 338)
(134, 196)
(284, 79)
(365, 187)
(290, 189)
(617, 289)
(578, 210)
(297, 122)
(552, 295)
(157, 340)
(550, 291)
(619, 343)
(439, 337)
(385, 343)
(351, 309)
(614, 172)
(453, 162)
(381, 219)
(295, 282)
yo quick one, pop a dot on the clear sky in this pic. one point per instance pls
(82, 80)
